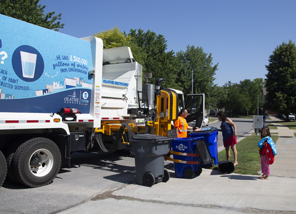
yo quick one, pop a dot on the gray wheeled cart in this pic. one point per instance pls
(149, 150)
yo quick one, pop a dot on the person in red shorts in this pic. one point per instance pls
(228, 129)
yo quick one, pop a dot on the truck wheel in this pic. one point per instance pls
(9, 156)
(10, 174)
(36, 162)
(3, 168)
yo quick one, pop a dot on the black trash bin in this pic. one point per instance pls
(149, 151)
(226, 167)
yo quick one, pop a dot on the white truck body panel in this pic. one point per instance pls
(37, 121)
(45, 71)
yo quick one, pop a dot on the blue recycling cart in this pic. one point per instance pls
(210, 134)
(264, 119)
(189, 154)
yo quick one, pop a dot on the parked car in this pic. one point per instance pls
(205, 122)
(291, 116)
(212, 112)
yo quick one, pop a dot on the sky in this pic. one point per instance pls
(240, 35)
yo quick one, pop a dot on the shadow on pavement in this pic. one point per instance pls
(106, 162)
(125, 177)
(12, 185)
(215, 171)
(240, 177)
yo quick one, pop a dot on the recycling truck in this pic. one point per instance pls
(60, 95)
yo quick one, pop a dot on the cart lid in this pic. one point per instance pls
(150, 138)
(188, 139)
(206, 130)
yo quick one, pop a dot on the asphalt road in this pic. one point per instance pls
(243, 126)
(92, 175)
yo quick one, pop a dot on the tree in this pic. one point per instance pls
(259, 84)
(115, 38)
(248, 90)
(216, 98)
(281, 79)
(200, 63)
(31, 11)
(160, 63)
(251, 89)
(234, 100)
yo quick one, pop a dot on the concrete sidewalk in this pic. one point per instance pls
(211, 192)
(285, 164)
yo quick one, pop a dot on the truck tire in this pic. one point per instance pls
(36, 162)
(9, 156)
(10, 174)
(3, 168)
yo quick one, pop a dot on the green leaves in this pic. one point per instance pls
(113, 38)
(281, 79)
(241, 97)
(160, 62)
(30, 11)
(150, 50)
(195, 60)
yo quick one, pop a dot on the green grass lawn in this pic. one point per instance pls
(290, 125)
(245, 116)
(248, 157)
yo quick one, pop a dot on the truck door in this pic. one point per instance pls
(195, 105)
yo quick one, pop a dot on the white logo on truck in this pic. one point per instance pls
(71, 99)
(85, 95)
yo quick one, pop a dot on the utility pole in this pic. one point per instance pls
(192, 81)
(258, 104)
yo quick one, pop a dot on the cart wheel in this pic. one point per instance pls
(188, 173)
(199, 171)
(148, 179)
(166, 176)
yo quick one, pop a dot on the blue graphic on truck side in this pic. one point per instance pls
(43, 70)
(27, 63)
(48, 103)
